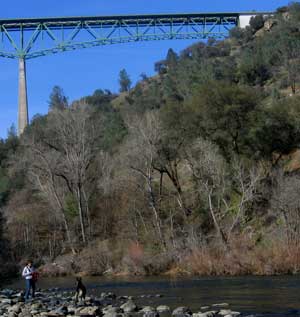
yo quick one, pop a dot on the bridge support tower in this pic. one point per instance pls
(23, 103)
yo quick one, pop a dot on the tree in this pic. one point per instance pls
(257, 22)
(124, 81)
(223, 114)
(224, 191)
(171, 59)
(57, 100)
(276, 128)
(145, 134)
(285, 204)
(63, 164)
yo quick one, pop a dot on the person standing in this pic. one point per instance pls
(28, 274)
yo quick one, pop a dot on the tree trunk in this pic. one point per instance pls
(81, 214)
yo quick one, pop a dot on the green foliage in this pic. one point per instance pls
(223, 114)
(71, 208)
(294, 10)
(254, 68)
(145, 97)
(124, 81)
(276, 129)
(57, 99)
(257, 22)
(114, 130)
(100, 98)
(4, 187)
(212, 105)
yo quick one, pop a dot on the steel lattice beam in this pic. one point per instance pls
(31, 38)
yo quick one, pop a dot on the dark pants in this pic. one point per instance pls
(30, 284)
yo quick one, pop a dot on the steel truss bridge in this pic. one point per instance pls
(24, 39)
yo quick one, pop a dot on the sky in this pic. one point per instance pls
(81, 72)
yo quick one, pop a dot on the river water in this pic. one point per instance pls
(267, 296)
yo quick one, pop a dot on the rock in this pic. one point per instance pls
(220, 305)
(151, 314)
(88, 311)
(54, 314)
(36, 306)
(181, 311)
(224, 312)
(71, 310)
(164, 311)
(147, 309)
(109, 295)
(211, 313)
(58, 312)
(206, 314)
(6, 301)
(15, 308)
(110, 309)
(112, 314)
(163, 308)
(129, 307)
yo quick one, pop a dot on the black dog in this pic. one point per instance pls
(80, 290)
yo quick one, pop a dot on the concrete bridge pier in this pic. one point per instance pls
(23, 104)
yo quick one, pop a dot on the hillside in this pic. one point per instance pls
(192, 171)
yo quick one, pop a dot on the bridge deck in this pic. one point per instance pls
(73, 20)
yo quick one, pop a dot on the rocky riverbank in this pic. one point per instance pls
(58, 303)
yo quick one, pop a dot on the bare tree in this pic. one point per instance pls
(141, 155)
(285, 204)
(42, 172)
(215, 183)
(68, 161)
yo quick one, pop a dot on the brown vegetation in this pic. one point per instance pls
(194, 171)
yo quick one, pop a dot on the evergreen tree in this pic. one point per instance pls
(124, 81)
(58, 100)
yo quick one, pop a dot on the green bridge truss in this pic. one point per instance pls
(24, 39)
(30, 38)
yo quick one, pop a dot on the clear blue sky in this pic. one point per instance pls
(81, 72)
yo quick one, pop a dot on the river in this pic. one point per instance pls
(269, 296)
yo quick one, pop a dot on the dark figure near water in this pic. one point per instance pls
(80, 290)
(30, 279)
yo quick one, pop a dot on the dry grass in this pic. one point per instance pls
(242, 258)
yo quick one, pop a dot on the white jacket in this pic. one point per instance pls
(27, 272)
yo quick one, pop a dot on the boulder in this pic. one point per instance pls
(181, 312)
(151, 314)
(15, 308)
(147, 309)
(206, 314)
(224, 312)
(164, 311)
(110, 310)
(129, 307)
(163, 308)
(88, 311)
(220, 305)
